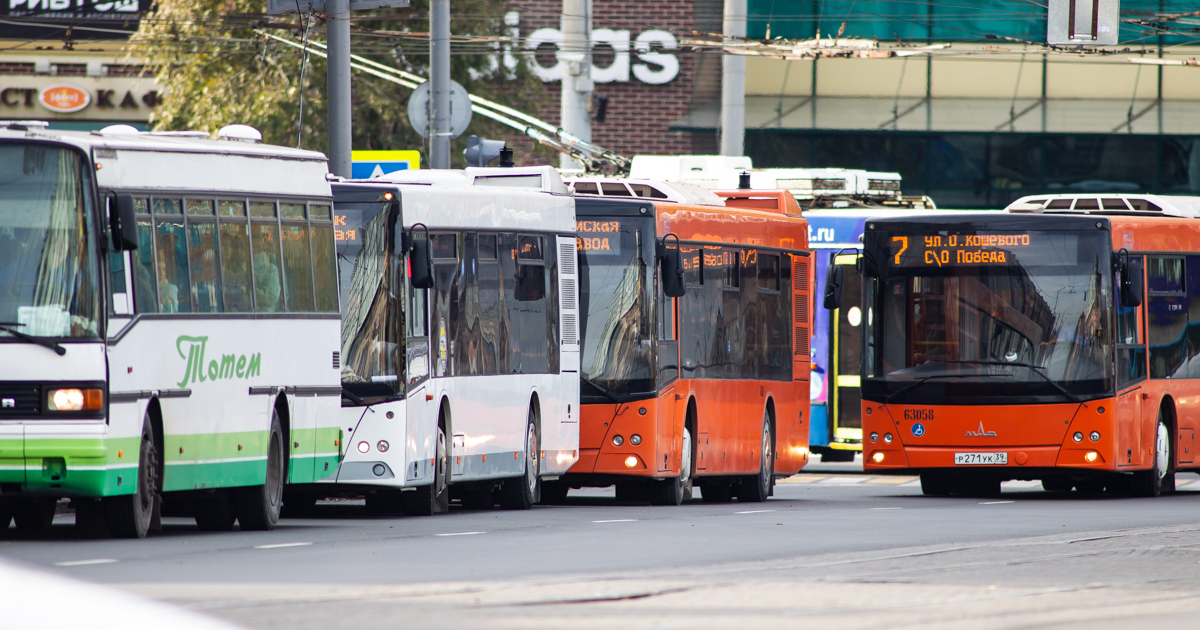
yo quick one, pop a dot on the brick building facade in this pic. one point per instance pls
(638, 113)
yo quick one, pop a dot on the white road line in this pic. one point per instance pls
(618, 520)
(754, 512)
(282, 545)
(460, 534)
(888, 508)
(80, 563)
(996, 502)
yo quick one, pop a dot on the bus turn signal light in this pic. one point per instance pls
(877, 457)
(74, 399)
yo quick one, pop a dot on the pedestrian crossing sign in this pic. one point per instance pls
(368, 164)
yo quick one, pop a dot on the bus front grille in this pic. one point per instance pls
(19, 401)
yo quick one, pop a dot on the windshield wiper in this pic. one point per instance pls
(607, 394)
(9, 327)
(1034, 368)
(909, 388)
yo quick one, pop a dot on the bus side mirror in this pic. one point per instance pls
(121, 223)
(420, 263)
(1133, 283)
(672, 273)
(833, 287)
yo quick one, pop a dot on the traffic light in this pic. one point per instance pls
(480, 152)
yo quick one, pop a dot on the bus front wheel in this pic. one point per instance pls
(678, 489)
(129, 515)
(1161, 476)
(258, 506)
(434, 498)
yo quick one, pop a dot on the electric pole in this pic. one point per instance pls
(439, 83)
(338, 24)
(733, 82)
(576, 53)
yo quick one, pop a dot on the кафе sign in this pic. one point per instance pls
(97, 99)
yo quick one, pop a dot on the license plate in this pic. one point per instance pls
(980, 459)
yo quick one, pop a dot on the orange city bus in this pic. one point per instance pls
(690, 308)
(1057, 341)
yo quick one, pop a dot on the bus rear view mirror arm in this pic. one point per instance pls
(121, 223)
(671, 261)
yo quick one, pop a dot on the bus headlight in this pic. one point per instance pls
(874, 436)
(877, 457)
(887, 437)
(1091, 456)
(631, 461)
(618, 440)
(363, 447)
(635, 439)
(1095, 436)
(74, 399)
(1078, 437)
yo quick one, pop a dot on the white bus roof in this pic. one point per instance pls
(148, 161)
(635, 188)
(1166, 205)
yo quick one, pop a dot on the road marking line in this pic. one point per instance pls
(460, 534)
(618, 520)
(80, 563)
(282, 545)
(888, 508)
(996, 502)
(754, 512)
(892, 480)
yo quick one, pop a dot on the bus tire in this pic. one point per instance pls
(36, 515)
(756, 488)
(129, 515)
(258, 507)
(715, 492)
(1153, 482)
(676, 490)
(935, 484)
(214, 512)
(434, 498)
(520, 493)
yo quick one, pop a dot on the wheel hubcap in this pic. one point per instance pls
(531, 460)
(1163, 448)
(685, 467)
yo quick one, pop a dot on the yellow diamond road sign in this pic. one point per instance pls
(368, 164)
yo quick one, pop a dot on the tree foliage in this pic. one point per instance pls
(216, 68)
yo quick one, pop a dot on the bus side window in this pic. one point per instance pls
(143, 259)
(235, 256)
(1167, 319)
(202, 255)
(264, 243)
(1131, 353)
(324, 258)
(531, 304)
(173, 285)
(488, 279)
(297, 258)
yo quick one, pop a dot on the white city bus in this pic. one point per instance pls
(468, 388)
(169, 326)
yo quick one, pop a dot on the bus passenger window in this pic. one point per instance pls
(202, 254)
(268, 284)
(297, 267)
(143, 260)
(324, 265)
(291, 210)
(319, 212)
(172, 277)
(235, 265)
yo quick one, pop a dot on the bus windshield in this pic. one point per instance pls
(986, 316)
(371, 290)
(49, 271)
(616, 257)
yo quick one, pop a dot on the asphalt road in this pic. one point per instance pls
(834, 550)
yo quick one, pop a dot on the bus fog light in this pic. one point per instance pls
(877, 457)
(887, 437)
(1078, 437)
(630, 461)
(378, 469)
(1091, 456)
(1095, 436)
(363, 447)
(874, 436)
(618, 440)
(382, 446)
(635, 439)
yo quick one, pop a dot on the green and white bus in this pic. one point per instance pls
(169, 326)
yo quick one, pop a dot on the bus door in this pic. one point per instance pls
(1131, 375)
(845, 350)
(668, 374)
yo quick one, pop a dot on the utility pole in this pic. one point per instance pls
(733, 82)
(439, 83)
(338, 23)
(577, 84)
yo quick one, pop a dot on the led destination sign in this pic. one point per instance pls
(599, 237)
(945, 250)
